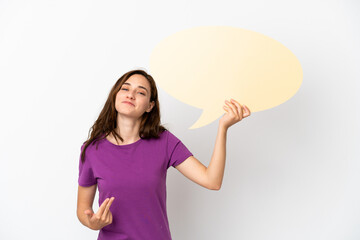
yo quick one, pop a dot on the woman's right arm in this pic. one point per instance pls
(85, 201)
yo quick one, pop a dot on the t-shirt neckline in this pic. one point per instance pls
(123, 146)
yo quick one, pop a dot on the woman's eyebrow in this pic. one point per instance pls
(138, 86)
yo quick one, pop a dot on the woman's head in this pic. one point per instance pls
(130, 87)
(137, 91)
(139, 88)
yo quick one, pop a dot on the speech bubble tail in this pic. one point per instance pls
(205, 118)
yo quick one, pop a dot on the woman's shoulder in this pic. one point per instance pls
(161, 135)
(171, 137)
(92, 145)
(160, 138)
(168, 133)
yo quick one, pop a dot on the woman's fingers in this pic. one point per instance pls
(103, 216)
(236, 111)
(231, 107)
(238, 107)
(106, 211)
(107, 218)
(103, 207)
(247, 111)
(110, 217)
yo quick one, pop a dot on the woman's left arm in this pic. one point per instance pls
(211, 177)
(234, 113)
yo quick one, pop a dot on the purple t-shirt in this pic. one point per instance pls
(135, 174)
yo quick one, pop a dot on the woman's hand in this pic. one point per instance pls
(234, 113)
(102, 217)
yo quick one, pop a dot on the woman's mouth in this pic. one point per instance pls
(129, 103)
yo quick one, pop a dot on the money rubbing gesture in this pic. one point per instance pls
(102, 217)
(235, 112)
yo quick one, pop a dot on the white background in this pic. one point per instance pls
(292, 172)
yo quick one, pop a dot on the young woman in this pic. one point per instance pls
(131, 173)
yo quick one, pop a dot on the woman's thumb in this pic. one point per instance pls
(89, 213)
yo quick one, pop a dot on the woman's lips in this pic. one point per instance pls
(129, 103)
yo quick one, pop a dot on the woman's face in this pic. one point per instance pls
(135, 90)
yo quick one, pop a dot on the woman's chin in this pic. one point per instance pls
(129, 114)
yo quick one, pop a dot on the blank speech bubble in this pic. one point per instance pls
(204, 66)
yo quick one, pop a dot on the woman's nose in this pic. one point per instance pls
(130, 94)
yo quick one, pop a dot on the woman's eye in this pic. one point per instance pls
(128, 89)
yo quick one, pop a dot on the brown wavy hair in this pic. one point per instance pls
(150, 126)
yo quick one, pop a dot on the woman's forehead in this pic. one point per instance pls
(137, 79)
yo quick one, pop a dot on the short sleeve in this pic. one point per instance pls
(86, 174)
(177, 152)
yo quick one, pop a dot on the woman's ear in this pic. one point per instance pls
(152, 104)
